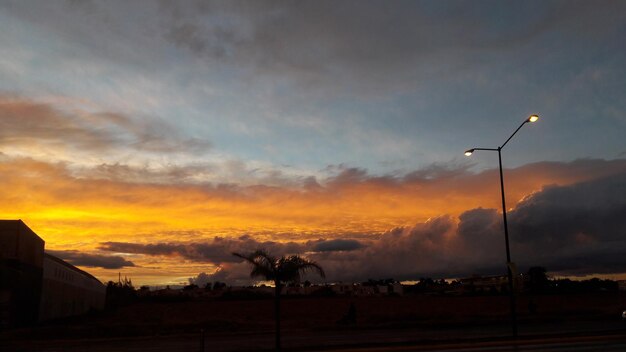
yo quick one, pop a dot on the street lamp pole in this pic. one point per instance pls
(469, 152)
(508, 252)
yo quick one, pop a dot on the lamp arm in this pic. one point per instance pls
(507, 141)
(491, 149)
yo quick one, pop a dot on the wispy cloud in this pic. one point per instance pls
(31, 128)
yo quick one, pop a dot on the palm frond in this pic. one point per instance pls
(291, 267)
(283, 269)
(263, 264)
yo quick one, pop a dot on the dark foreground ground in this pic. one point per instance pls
(383, 323)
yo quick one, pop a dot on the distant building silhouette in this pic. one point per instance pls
(495, 283)
(36, 286)
(67, 290)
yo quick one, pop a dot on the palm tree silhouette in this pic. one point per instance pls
(281, 270)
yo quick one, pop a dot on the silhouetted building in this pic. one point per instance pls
(36, 286)
(21, 270)
(496, 283)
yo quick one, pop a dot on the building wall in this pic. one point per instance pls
(68, 290)
(21, 268)
(18, 242)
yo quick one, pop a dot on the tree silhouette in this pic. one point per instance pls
(281, 270)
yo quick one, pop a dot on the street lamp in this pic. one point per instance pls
(531, 118)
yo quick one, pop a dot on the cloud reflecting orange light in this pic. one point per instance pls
(70, 212)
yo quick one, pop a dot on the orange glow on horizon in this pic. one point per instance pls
(72, 213)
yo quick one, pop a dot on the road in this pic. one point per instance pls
(576, 343)
(572, 336)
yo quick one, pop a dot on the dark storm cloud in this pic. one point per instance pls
(92, 260)
(27, 123)
(576, 229)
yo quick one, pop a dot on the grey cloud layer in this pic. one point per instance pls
(92, 260)
(375, 44)
(220, 249)
(577, 229)
(337, 245)
(350, 45)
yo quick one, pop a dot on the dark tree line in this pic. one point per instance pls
(120, 293)
(537, 281)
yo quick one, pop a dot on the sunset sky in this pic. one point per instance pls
(154, 138)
